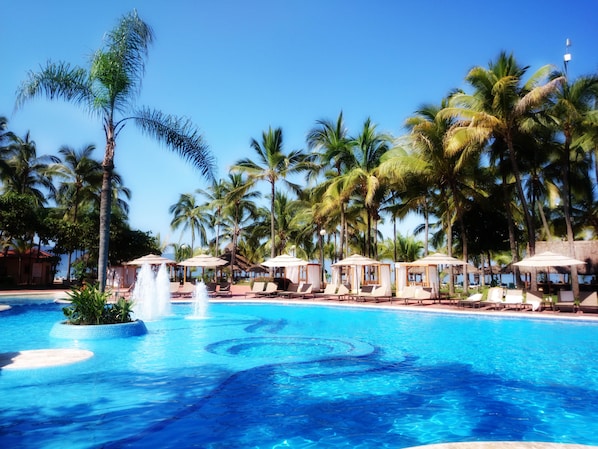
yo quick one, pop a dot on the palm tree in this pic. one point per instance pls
(25, 172)
(273, 165)
(189, 215)
(573, 104)
(108, 89)
(336, 146)
(239, 210)
(498, 109)
(80, 180)
(362, 177)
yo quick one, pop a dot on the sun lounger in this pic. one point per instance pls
(342, 293)
(224, 289)
(365, 291)
(186, 290)
(174, 289)
(588, 302)
(406, 294)
(566, 301)
(329, 290)
(211, 288)
(257, 287)
(381, 293)
(303, 292)
(513, 298)
(270, 290)
(494, 298)
(292, 288)
(472, 301)
(421, 294)
(534, 300)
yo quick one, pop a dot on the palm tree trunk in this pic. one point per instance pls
(510, 223)
(105, 211)
(566, 173)
(106, 205)
(531, 235)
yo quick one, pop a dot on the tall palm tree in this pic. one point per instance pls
(362, 177)
(336, 152)
(498, 108)
(273, 165)
(574, 102)
(108, 89)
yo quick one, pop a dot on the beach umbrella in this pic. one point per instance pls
(151, 259)
(284, 261)
(204, 261)
(548, 259)
(438, 259)
(355, 260)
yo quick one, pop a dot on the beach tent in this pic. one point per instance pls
(430, 276)
(292, 266)
(356, 264)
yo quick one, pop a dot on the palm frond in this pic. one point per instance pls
(180, 135)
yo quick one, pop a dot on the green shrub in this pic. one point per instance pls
(90, 306)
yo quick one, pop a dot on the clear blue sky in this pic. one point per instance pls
(237, 67)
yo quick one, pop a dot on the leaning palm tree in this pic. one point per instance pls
(108, 89)
(273, 165)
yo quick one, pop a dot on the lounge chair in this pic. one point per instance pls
(471, 301)
(329, 290)
(270, 290)
(365, 291)
(566, 301)
(342, 293)
(174, 289)
(186, 290)
(224, 289)
(588, 302)
(421, 294)
(381, 293)
(494, 298)
(291, 288)
(256, 288)
(303, 292)
(211, 288)
(407, 293)
(534, 300)
(513, 298)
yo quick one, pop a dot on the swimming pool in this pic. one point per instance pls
(273, 376)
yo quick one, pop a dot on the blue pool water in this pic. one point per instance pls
(280, 376)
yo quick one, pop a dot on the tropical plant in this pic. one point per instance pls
(108, 88)
(89, 305)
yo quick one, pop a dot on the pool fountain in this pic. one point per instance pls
(151, 294)
(200, 302)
